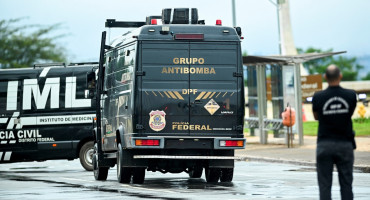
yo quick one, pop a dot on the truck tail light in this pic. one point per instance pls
(144, 142)
(232, 143)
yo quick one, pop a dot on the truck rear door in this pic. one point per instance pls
(165, 107)
(214, 105)
(190, 88)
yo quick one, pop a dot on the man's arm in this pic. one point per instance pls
(314, 107)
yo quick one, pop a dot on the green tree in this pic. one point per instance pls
(367, 77)
(22, 46)
(245, 53)
(348, 65)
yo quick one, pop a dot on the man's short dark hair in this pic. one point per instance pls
(332, 73)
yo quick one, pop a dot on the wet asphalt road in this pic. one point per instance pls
(252, 180)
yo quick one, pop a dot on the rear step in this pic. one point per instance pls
(188, 157)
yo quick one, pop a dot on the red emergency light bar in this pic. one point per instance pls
(145, 142)
(218, 22)
(153, 22)
(189, 36)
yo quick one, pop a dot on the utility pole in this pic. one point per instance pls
(233, 12)
(278, 19)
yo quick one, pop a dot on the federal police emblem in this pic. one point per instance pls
(157, 120)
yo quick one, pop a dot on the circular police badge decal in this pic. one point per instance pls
(157, 120)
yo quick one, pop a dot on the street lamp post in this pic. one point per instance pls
(277, 5)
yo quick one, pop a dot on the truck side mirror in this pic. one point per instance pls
(90, 80)
(90, 84)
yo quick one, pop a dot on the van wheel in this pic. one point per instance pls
(86, 155)
(138, 175)
(227, 174)
(123, 173)
(100, 173)
(212, 174)
(196, 172)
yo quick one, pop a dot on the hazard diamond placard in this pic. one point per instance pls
(211, 106)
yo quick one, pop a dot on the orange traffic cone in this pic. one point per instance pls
(303, 115)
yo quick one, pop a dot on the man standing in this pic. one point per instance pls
(333, 107)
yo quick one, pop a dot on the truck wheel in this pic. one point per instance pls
(123, 173)
(212, 174)
(138, 175)
(227, 174)
(100, 173)
(86, 155)
(196, 172)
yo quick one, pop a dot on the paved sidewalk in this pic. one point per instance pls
(277, 151)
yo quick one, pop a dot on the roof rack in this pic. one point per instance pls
(49, 65)
(179, 16)
(112, 23)
(83, 63)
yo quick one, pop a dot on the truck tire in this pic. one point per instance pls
(100, 173)
(212, 174)
(138, 175)
(196, 172)
(227, 174)
(123, 173)
(86, 155)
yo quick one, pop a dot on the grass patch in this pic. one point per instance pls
(310, 128)
(362, 127)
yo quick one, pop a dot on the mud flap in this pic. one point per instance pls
(129, 161)
(222, 163)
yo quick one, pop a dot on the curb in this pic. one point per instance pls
(362, 168)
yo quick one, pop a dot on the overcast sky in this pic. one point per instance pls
(337, 24)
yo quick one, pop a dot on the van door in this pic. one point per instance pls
(165, 102)
(214, 106)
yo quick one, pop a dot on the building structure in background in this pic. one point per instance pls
(287, 46)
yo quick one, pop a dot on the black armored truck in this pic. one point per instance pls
(171, 98)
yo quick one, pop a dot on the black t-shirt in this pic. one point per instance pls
(334, 107)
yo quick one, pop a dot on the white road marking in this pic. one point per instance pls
(76, 179)
(153, 190)
(4, 142)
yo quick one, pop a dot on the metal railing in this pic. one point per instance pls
(268, 124)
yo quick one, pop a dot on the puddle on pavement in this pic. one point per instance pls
(306, 169)
(18, 168)
(91, 188)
